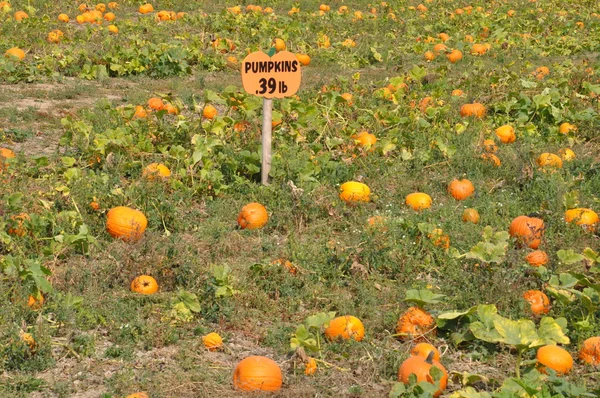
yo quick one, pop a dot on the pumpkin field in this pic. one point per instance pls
(430, 226)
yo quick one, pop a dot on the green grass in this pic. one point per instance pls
(127, 342)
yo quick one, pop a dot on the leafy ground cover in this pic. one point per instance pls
(77, 114)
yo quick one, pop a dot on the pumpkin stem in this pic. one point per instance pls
(429, 359)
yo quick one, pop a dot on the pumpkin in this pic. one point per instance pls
(146, 8)
(549, 161)
(19, 229)
(471, 215)
(457, 92)
(353, 191)
(109, 17)
(584, 217)
(364, 138)
(171, 109)
(554, 357)
(506, 134)
(279, 45)
(5, 153)
(590, 351)
(537, 258)
(538, 301)
(28, 339)
(438, 238)
(567, 128)
(454, 56)
(414, 324)
(63, 18)
(304, 59)
(418, 201)
(423, 350)
(348, 97)
(527, 230)
(429, 56)
(137, 394)
(461, 189)
(567, 154)
(35, 302)
(439, 48)
(253, 216)
(292, 269)
(21, 15)
(212, 341)
(144, 284)
(257, 373)
(475, 110)
(490, 146)
(209, 112)
(311, 366)
(491, 158)
(140, 112)
(478, 49)
(444, 37)
(15, 53)
(113, 5)
(345, 327)
(421, 367)
(156, 171)
(126, 223)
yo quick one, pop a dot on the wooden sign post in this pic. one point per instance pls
(270, 77)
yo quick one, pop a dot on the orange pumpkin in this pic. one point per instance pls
(587, 218)
(444, 37)
(257, 373)
(475, 110)
(439, 48)
(461, 189)
(423, 350)
(35, 302)
(345, 327)
(5, 153)
(470, 215)
(137, 394)
(491, 158)
(63, 18)
(15, 53)
(478, 49)
(144, 284)
(537, 258)
(567, 154)
(538, 301)
(429, 56)
(438, 238)
(527, 230)
(140, 112)
(454, 56)
(364, 138)
(109, 17)
(209, 112)
(590, 351)
(414, 324)
(353, 191)
(490, 146)
(156, 103)
(19, 229)
(126, 223)
(304, 59)
(549, 161)
(21, 15)
(421, 367)
(253, 216)
(311, 367)
(506, 134)
(567, 128)
(155, 171)
(554, 357)
(418, 201)
(212, 341)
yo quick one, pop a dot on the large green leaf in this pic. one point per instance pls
(422, 297)
(519, 334)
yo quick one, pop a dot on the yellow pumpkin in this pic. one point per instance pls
(353, 191)
(418, 201)
(506, 134)
(155, 171)
(212, 341)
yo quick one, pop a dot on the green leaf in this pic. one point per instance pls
(457, 314)
(470, 392)
(319, 320)
(422, 297)
(569, 256)
(519, 334)
(190, 300)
